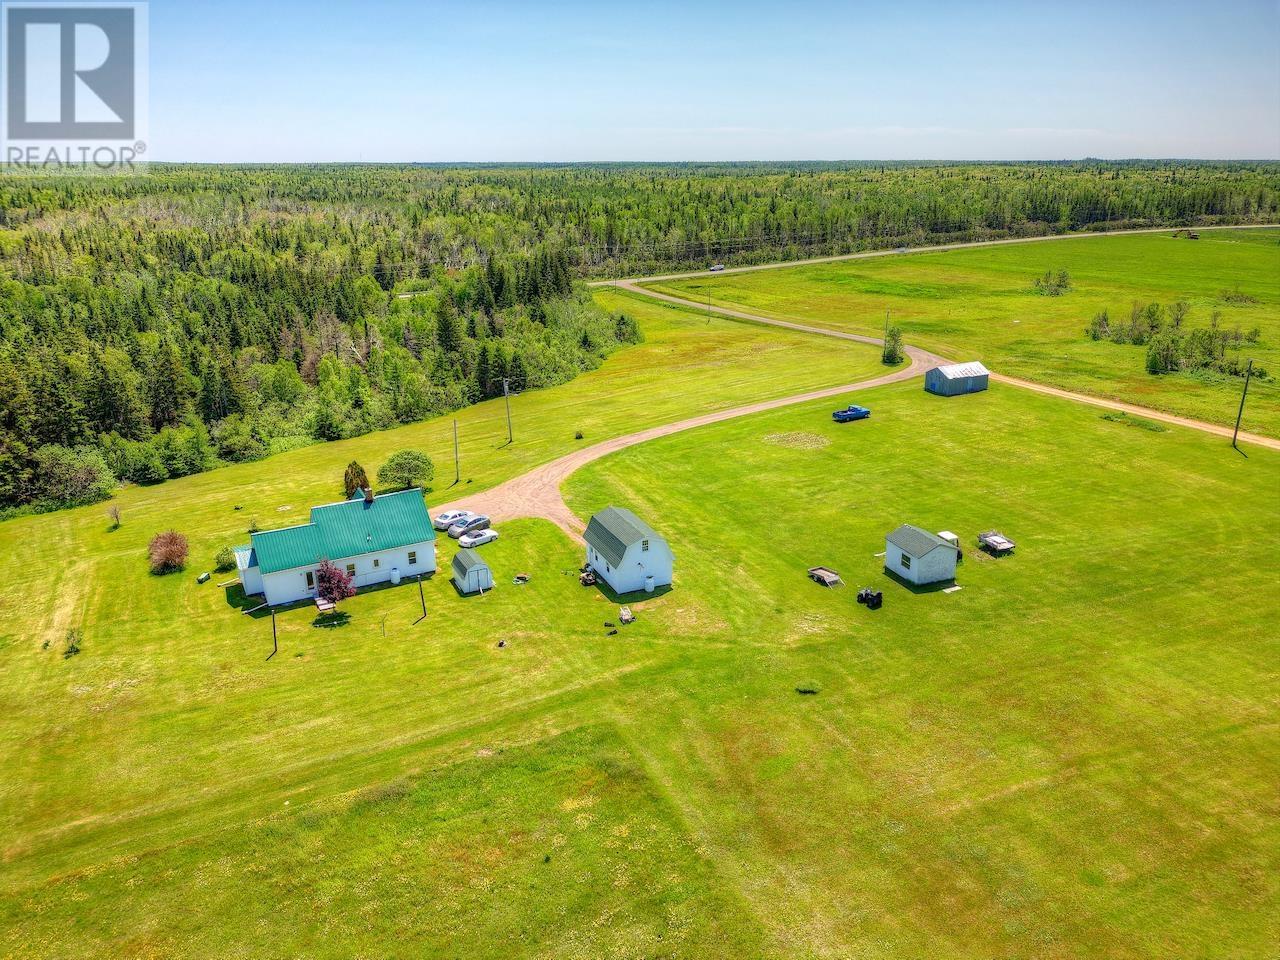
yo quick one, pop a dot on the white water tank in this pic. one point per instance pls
(395, 576)
(648, 584)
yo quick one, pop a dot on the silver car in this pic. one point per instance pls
(450, 517)
(466, 526)
(477, 538)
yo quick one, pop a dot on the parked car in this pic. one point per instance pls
(717, 267)
(466, 526)
(851, 412)
(450, 517)
(477, 538)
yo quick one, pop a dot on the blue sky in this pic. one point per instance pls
(391, 80)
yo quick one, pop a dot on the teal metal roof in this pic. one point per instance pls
(346, 529)
(614, 529)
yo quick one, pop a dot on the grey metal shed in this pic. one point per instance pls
(470, 573)
(957, 378)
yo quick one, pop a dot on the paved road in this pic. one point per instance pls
(901, 252)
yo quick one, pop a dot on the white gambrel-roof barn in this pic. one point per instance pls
(626, 553)
(957, 378)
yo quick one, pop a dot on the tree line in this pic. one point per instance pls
(153, 326)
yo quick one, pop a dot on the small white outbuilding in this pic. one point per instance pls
(626, 553)
(470, 573)
(919, 556)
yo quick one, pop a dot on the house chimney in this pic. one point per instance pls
(368, 494)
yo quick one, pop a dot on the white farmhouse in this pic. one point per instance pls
(375, 539)
(626, 553)
(919, 557)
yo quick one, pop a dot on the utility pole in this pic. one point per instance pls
(506, 393)
(275, 641)
(1248, 374)
(422, 598)
(457, 462)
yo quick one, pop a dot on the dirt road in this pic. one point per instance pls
(537, 493)
(907, 251)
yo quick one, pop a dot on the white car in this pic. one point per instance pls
(450, 517)
(477, 538)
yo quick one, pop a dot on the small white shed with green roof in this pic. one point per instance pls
(626, 553)
(470, 573)
(919, 556)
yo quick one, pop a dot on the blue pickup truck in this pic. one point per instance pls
(851, 412)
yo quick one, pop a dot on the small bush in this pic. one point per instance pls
(168, 552)
(225, 560)
(577, 435)
(74, 637)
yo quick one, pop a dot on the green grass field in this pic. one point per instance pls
(979, 303)
(1075, 755)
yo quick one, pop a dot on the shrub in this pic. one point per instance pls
(577, 435)
(74, 636)
(892, 352)
(168, 552)
(225, 560)
(406, 468)
(113, 514)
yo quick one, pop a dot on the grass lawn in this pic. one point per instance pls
(1074, 755)
(979, 303)
(170, 726)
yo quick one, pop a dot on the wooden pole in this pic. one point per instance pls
(1248, 374)
(506, 393)
(457, 462)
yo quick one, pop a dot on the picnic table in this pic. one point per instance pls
(324, 606)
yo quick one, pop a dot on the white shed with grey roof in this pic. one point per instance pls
(626, 553)
(957, 378)
(919, 556)
(470, 573)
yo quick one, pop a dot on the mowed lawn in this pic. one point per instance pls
(980, 304)
(1074, 755)
(171, 728)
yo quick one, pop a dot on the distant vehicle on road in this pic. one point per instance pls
(477, 538)
(466, 526)
(717, 267)
(900, 250)
(450, 517)
(851, 412)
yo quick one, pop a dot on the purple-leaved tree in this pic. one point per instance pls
(332, 583)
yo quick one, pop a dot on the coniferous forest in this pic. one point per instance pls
(157, 325)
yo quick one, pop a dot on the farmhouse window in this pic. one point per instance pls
(311, 580)
(413, 556)
(351, 569)
(376, 563)
(644, 546)
(906, 562)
